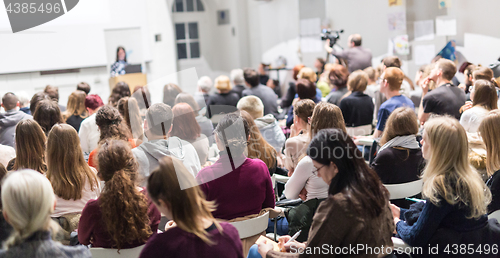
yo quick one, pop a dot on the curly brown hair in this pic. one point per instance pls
(120, 90)
(111, 125)
(124, 209)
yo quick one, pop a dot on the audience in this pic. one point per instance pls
(489, 132)
(357, 107)
(24, 102)
(143, 97)
(47, 114)
(129, 110)
(484, 99)
(263, 76)
(267, 125)
(157, 127)
(223, 97)
(204, 87)
(275, 85)
(76, 111)
(10, 118)
(264, 93)
(83, 86)
(120, 90)
(306, 89)
(170, 92)
(338, 78)
(234, 177)
(308, 74)
(238, 82)
(287, 100)
(394, 61)
(27, 203)
(205, 124)
(53, 93)
(193, 231)
(39, 96)
(30, 147)
(122, 216)
(89, 132)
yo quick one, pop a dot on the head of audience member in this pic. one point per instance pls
(392, 78)
(223, 84)
(257, 146)
(372, 75)
(307, 73)
(306, 89)
(143, 97)
(419, 75)
(237, 77)
(120, 90)
(448, 174)
(121, 204)
(467, 69)
(302, 112)
(488, 129)
(272, 83)
(484, 94)
(47, 114)
(354, 40)
(392, 61)
(184, 97)
(170, 92)
(252, 105)
(52, 92)
(121, 54)
(231, 134)
(83, 86)
(296, 69)
(9, 101)
(37, 97)
(110, 124)
(129, 110)
(338, 76)
(318, 121)
(319, 64)
(205, 84)
(158, 121)
(186, 206)
(76, 105)
(27, 203)
(92, 103)
(30, 146)
(251, 77)
(184, 124)
(401, 122)
(262, 68)
(66, 168)
(444, 70)
(358, 80)
(340, 164)
(483, 73)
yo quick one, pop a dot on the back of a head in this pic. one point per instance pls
(120, 90)
(338, 75)
(253, 105)
(159, 119)
(447, 67)
(392, 61)
(394, 77)
(170, 92)
(488, 129)
(296, 69)
(232, 131)
(237, 77)
(184, 124)
(143, 96)
(485, 94)
(222, 83)
(306, 89)
(401, 122)
(37, 97)
(482, 73)
(52, 92)
(251, 76)
(185, 97)
(304, 109)
(24, 98)
(356, 39)
(258, 147)
(83, 86)
(110, 123)
(47, 114)
(76, 104)
(358, 80)
(93, 101)
(129, 109)
(9, 101)
(30, 146)
(372, 73)
(332, 112)
(307, 73)
(205, 84)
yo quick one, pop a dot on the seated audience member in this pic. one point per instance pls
(30, 147)
(446, 99)
(456, 196)
(6, 154)
(489, 130)
(24, 102)
(263, 74)
(264, 93)
(467, 69)
(170, 92)
(296, 145)
(223, 97)
(240, 186)
(372, 86)
(37, 97)
(267, 125)
(484, 99)
(129, 110)
(76, 111)
(122, 217)
(407, 85)
(120, 90)
(74, 182)
(287, 100)
(308, 74)
(83, 86)
(357, 107)
(258, 147)
(157, 127)
(53, 93)
(10, 118)
(89, 132)
(275, 85)
(111, 126)
(143, 97)
(238, 82)
(399, 160)
(47, 114)
(324, 81)
(27, 202)
(204, 87)
(338, 78)
(185, 127)
(356, 210)
(193, 231)
(306, 89)
(205, 124)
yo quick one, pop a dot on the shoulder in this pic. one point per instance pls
(158, 243)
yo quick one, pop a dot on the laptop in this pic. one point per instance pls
(133, 68)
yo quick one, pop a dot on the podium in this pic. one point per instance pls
(132, 79)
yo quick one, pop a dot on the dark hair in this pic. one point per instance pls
(120, 90)
(9, 101)
(184, 124)
(170, 92)
(93, 101)
(359, 183)
(227, 132)
(118, 50)
(111, 125)
(251, 76)
(485, 94)
(306, 89)
(39, 96)
(159, 119)
(143, 97)
(53, 92)
(83, 86)
(392, 61)
(47, 114)
(339, 75)
(184, 97)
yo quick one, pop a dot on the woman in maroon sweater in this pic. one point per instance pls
(193, 232)
(122, 217)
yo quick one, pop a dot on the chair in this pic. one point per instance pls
(275, 178)
(98, 252)
(252, 227)
(495, 215)
(400, 191)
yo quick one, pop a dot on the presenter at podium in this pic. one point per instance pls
(118, 68)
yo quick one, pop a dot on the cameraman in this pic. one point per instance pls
(357, 57)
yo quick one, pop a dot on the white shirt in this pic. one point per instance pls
(89, 134)
(471, 118)
(303, 177)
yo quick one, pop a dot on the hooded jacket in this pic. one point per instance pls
(271, 131)
(8, 122)
(148, 153)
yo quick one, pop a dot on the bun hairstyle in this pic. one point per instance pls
(233, 131)
(111, 125)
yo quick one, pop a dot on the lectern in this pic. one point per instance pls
(132, 79)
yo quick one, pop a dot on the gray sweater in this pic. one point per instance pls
(8, 122)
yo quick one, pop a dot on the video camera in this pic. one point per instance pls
(332, 35)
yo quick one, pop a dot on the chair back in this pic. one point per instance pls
(98, 252)
(252, 227)
(400, 191)
(495, 215)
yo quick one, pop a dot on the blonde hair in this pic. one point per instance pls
(488, 129)
(252, 105)
(76, 105)
(448, 174)
(28, 200)
(326, 115)
(257, 146)
(223, 84)
(357, 81)
(307, 73)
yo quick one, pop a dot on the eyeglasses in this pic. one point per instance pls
(315, 171)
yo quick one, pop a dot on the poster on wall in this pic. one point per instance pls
(401, 45)
(396, 21)
(444, 4)
(424, 30)
(395, 2)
